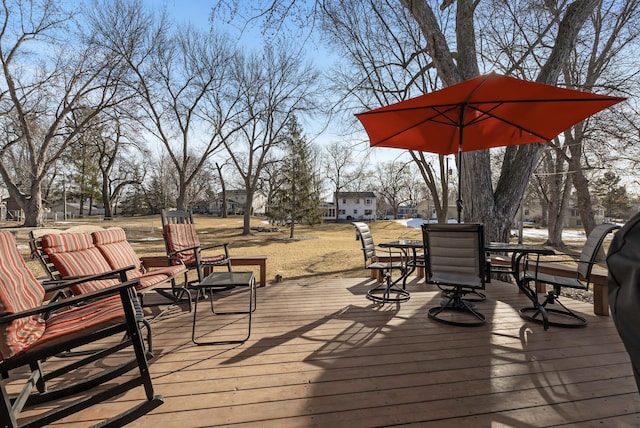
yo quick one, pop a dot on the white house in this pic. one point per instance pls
(237, 200)
(352, 206)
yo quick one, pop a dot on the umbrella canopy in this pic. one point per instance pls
(481, 113)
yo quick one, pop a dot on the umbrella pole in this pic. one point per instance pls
(459, 201)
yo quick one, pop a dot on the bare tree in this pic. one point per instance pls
(394, 184)
(341, 168)
(609, 32)
(118, 165)
(275, 84)
(497, 205)
(182, 76)
(66, 72)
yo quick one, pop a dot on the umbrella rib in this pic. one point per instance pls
(487, 114)
(427, 119)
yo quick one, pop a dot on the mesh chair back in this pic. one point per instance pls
(591, 248)
(455, 253)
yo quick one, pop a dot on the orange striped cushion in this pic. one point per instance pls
(19, 291)
(74, 254)
(84, 318)
(212, 259)
(180, 237)
(113, 245)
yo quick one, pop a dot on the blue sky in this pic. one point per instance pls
(193, 11)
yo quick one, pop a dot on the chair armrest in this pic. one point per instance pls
(224, 246)
(184, 250)
(157, 261)
(113, 289)
(70, 281)
(210, 247)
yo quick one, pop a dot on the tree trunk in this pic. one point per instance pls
(246, 228)
(32, 206)
(224, 192)
(495, 209)
(558, 214)
(108, 210)
(181, 200)
(580, 183)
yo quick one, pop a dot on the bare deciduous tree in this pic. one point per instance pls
(183, 77)
(275, 85)
(66, 72)
(341, 168)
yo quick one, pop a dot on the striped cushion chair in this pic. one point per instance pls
(117, 251)
(152, 272)
(32, 332)
(182, 241)
(75, 255)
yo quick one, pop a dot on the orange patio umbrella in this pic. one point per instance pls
(488, 111)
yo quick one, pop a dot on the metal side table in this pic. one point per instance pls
(218, 282)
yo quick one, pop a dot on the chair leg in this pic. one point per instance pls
(384, 290)
(540, 314)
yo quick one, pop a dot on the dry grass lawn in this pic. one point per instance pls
(328, 250)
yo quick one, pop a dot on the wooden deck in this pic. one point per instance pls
(322, 355)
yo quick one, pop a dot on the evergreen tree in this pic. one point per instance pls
(613, 197)
(297, 199)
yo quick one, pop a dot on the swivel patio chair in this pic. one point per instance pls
(387, 289)
(33, 332)
(456, 265)
(580, 280)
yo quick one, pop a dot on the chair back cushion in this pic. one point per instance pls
(455, 252)
(180, 237)
(19, 291)
(74, 255)
(366, 239)
(113, 245)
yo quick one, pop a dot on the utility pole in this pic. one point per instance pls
(64, 196)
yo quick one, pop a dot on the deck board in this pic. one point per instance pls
(320, 354)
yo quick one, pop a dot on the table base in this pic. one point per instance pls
(218, 282)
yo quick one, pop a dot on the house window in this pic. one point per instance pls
(368, 201)
(368, 212)
(342, 212)
(344, 201)
(355, 211)
(526, 212)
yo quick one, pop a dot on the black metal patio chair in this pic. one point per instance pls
(455, 255)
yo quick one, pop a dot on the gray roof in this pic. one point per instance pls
(356, 195)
